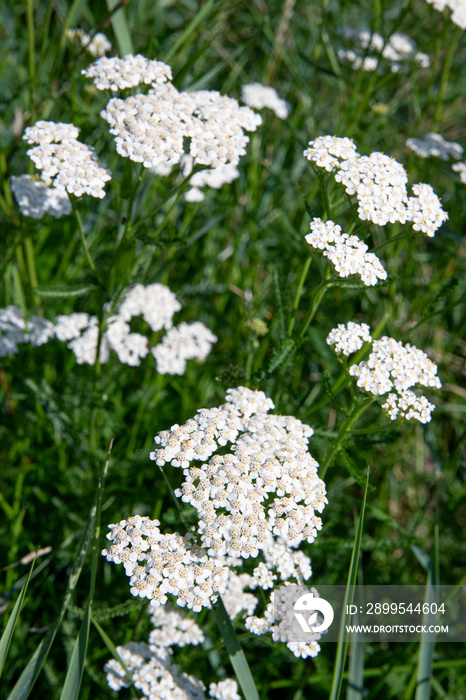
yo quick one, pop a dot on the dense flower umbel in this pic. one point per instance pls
(65, 162)
(157, 678)
(392, 368)
(267, 484)
(35, 199)
(151, 129)
(379, 183)
(129, 71)
(435, 145)
(461, 169)
(14, 330)
(347, 253)
(159, 564)
(258, 96)
(157, 304)
(347, 339)
(457, 7)
(398, 49)
(96, 45)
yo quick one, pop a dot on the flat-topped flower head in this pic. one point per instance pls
(15, 330)
(258, 96)
(157, 304)
(347, 253)
(65, 162)
(152, 129)
(266, 485)
(461, 169)
(457, 7)
(399, 49)
(379, 183)
(120, 73)
(392, 368)
(96, 45)
(35, 198)
(164, 564)
(350, 337)
(435, 145)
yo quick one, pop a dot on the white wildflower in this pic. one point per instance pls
(391, 368)
(164, 564)
(188, 341)
(379, 183)
(435, 145)
(346, 252)
(97, 44)
(151, 129)
(35, 199)
(350, 338)
(120, 73)
(267, 485)
(457, 7)
(397, 50)
(461, 169)
(259, 96)
(65, 162)
(15, 330)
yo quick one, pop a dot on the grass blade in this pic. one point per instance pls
(26, 681)
(8, 632)
(120, 27)
(195, 22)
(75, 670)
(337, 679)
(427, 642)
(236, 654)
(356, 666)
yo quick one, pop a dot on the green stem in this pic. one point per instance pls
(299, 290)
(31, 56)
(358, 410)
(83, 238)
(445, 75)
(321, 289)
(235, 652)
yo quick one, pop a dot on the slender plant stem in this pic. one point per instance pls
(445, 75)
(318, 296)
(358, 410)
(83, 238)
(31, 57)
(299, 290)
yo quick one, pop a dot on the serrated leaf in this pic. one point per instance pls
(358, 474)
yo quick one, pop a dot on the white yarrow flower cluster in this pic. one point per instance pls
(157, 305)
(129, 71)
(267, 484)
(211, 177)
(156, 677)
(97, 45)
(393, 368)
(350, 337)
(397, 49)
(278, 619)
(457, 7)
(347, 253)
(151, 129)
(15, 330)
(64, 161)
(379, 183)
(35, 199)
(188, 341)
(258, 96)
(435, 145)
(461, 169)
(165, 564)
